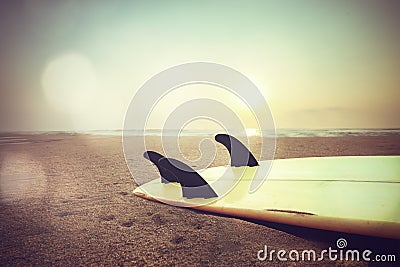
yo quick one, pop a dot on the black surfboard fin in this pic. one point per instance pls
(241, 156)
(193, 185)
(166, 175)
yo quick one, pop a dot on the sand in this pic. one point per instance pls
(67, 200)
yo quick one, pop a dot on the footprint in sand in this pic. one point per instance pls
(64, 214)
(177, 239)
(128, 223)
(107, 218)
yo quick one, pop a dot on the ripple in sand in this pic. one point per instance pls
(13, 140)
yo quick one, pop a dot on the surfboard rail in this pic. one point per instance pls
(362, 227)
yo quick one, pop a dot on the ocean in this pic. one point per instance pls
(251, 132)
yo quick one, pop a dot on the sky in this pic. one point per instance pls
(76, 65)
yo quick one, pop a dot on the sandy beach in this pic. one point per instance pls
(67, 200)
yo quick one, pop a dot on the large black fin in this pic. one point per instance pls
(166, 176)
(193, 185)
(241, 156)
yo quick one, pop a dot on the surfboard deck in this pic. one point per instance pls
(354, 194)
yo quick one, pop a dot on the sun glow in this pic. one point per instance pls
(251, 131)
(69, 83)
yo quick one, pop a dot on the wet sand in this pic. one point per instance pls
(67, 200)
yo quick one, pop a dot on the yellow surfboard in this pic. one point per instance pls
(354, 194)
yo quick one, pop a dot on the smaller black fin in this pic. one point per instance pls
(154, 157)
(193, 185)
(242, 156)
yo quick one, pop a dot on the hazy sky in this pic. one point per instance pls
(75, 65)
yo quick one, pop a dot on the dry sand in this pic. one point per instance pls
(67, 200)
